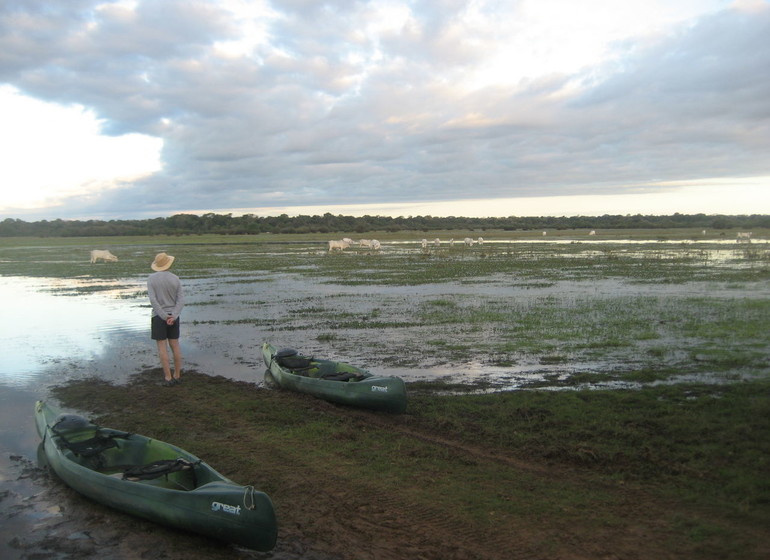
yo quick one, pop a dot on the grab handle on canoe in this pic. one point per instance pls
(248, 497)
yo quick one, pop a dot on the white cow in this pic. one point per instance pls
(365, 243)
(375, 245)
(592, 232)
(545, 233)
(452, 242)
(106, 256)
(480, 240)
(745, 236)
(437, 242)
(424, 243)
(347, 240)
(468, 241)
(338, 245)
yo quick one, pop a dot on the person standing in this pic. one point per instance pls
(165, 291)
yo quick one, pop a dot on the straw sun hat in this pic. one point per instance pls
(162, 262)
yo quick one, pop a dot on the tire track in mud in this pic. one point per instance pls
(370, 524)
(400, 424)
(341, 513)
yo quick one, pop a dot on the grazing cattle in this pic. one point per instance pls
(592, 232)
(347, 240)
(545, 233)
(468, 241)
(744, 236)
(106, 256)
(424, 243)
(480, 240)
(375, 245)
(365, 243)
(338, 245)
(437, 242)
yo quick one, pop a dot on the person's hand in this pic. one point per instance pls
(169, 320)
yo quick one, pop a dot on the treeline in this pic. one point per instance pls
(187, 224)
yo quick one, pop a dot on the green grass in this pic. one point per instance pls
(569, 462)
(535, 264)
(707, 444)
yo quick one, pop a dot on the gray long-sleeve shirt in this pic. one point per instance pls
(165, 291)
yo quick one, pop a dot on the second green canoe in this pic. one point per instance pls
(337, 382)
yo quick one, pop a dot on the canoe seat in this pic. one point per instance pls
(296, 363)
(341, 376)
(92, 446)
(336, 371)
(156, 469)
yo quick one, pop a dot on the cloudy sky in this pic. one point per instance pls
(146, 108)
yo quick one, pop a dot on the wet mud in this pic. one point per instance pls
(41, 517)
(329, 512)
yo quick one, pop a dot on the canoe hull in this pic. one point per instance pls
(373, 392)
(217, 507)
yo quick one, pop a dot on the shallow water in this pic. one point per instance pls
(82, 327)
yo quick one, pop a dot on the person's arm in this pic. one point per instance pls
(178, 302)
(156, 306)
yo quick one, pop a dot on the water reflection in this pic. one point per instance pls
(44, 328)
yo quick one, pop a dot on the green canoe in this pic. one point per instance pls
(335, 381)
(154, 480)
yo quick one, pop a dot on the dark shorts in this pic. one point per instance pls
(161, 331)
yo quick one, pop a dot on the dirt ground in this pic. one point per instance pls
(323, 513)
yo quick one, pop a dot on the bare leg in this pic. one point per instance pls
(163, 354)
(177, 351)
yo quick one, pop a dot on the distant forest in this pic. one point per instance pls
(187, 224)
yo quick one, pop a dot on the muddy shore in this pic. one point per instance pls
(329, 510)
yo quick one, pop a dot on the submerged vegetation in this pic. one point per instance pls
(638, 430)
(616, 310)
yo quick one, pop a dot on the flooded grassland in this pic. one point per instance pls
(512, 320)
(508, 313)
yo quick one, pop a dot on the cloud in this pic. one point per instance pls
(324, 103)
(696, 101)
(77, 158)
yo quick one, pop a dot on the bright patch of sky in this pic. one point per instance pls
(55, 151)
(542, 37)
(685, 197)
(251, 18)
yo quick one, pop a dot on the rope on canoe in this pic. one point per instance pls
(249, 493)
